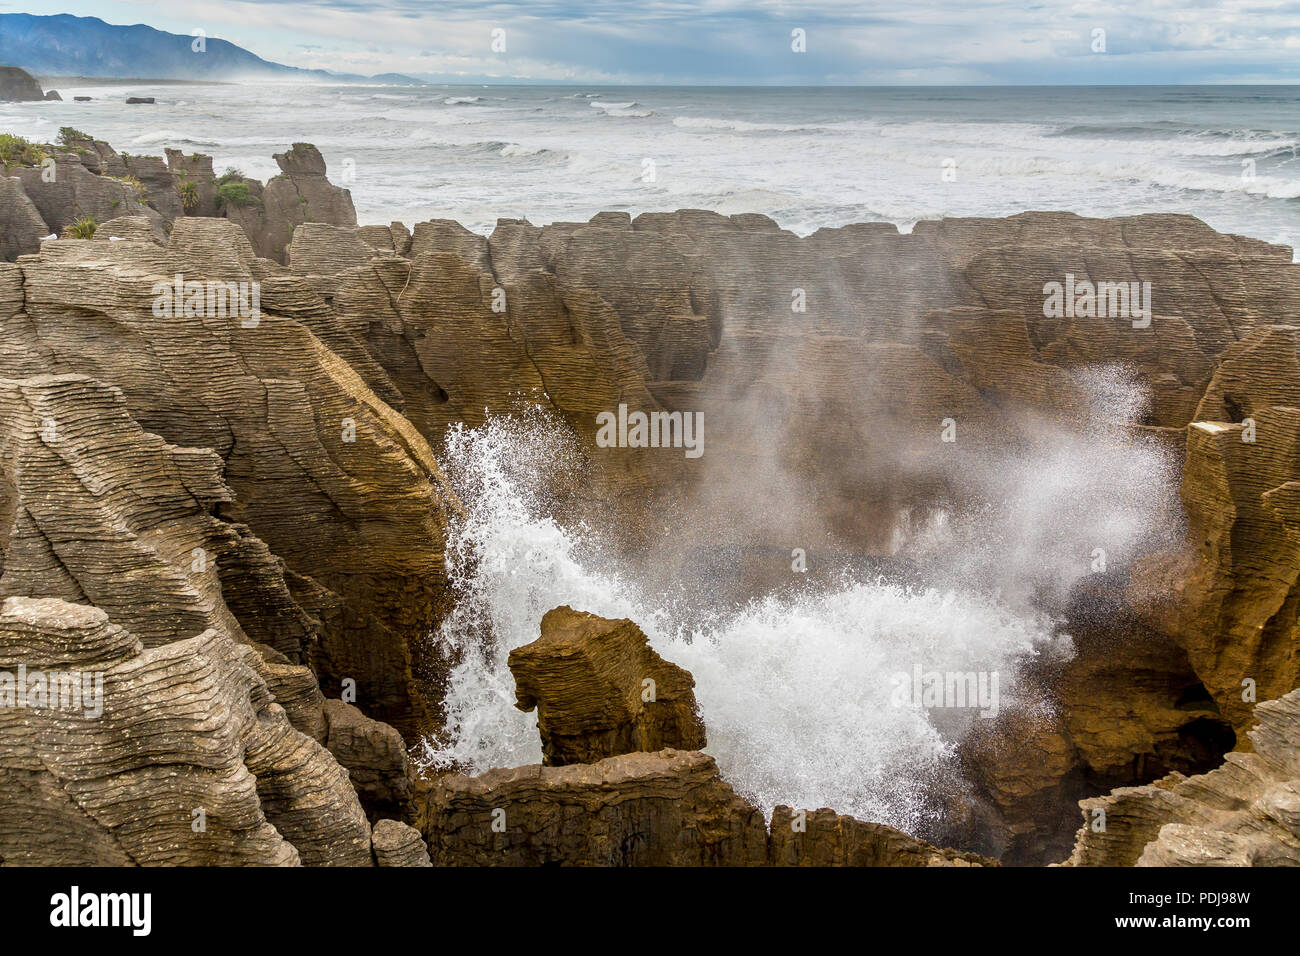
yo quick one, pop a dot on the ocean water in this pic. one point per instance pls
(807, 157)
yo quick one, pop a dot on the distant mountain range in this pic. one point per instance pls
(64, 45)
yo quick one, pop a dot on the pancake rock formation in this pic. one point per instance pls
(221, 408)
(600, 691)
(1245, 813)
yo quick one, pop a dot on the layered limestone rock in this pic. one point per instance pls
(375, 757)
(640, 809)
(300, 194)
(293, 448)
(396, 844)
(670, 808)
(600, 691)
(195, 169)
(21, 225)
(74, 192)
(1231, 598)
(827, 838)
(332, 479)
(321, 249)
(796, 348)
(1246, 813)
(97, 510)
(600, 801)
(100, 184)
(127, 227)
(182, 757)
(158, 184)
(97, 155)
(1128, 709)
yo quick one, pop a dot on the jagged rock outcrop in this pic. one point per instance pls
(158, 185)
(74, 192)
(827, 838)
(21, 225)
(397, 844)
(639, 809)
(1129, 709)
(850, 337)
(1231, 598)
(97, 155)
(333, 480)
(375, 757)
(300, 194)
(600, 801)
(600, 690)
(189, 762)
(97, 510)
(195, 169)
(1246, 813)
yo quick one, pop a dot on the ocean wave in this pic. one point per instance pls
(515, 150)
(460, 100)
(629, 109)
(740, 126)
(1185, 140)
(171, 137)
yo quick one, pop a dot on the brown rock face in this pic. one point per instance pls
(396, 844)
(827, 838)
(600, 691)
(189, 762)
(375, 758)
(1246, 813)
(1130, 709)
(1232, 597)
(647, 809)
(300, 194)
(332, 479)
(21, 225)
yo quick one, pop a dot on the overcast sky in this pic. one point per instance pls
(954, 42)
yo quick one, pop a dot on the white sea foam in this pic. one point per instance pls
(821, 157)
(795, 692)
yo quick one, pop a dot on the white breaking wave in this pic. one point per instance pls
(630, 108)
(821, 158)
(795, 693)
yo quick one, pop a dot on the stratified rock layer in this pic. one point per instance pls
(827, 838)
(396, 844)
(639, 809)
(600, 690)
(331, 478)
(191, 762)
(1246, 813)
